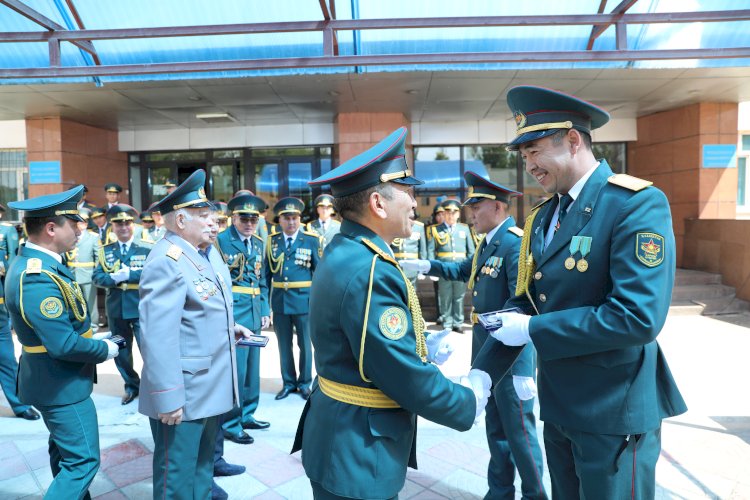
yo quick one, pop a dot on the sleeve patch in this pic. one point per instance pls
(51, 307)
(393, 323)
(649, 248)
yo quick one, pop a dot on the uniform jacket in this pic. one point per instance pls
(332, 229)
(8, 244)
(187, 339)
(450, 247)
(82, 259)
(106, 236)
(247, 270)
(357, 451)
(600, 367)
(297, 265)
(495, 273)
(413, 247)
(122, 300)
(65, 373)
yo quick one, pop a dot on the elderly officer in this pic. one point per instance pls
(413, 247)
(118, 270)
(492, 275)
(82, 260)
(325, 225)
(291, 258)
(597, 266)
(358, 430)
(112, 193)
(243, 251)
(187, 343)
(50, 317)
(451, 241)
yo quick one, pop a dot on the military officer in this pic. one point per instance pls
(492, 275)
(99, 216)
(598, 264)
(82, 260)
(118, 271)
(325, 225)
(57, 365)
(188, 376)
(413, 247)
(438, 217)
(156, 227)
(451, 241)
(170, 186)
(243, 251)
(291, 258)
(358, 430)
(112, 192)
(8, 242)
(222, 215)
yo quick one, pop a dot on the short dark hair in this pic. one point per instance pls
(558, 136)
(34, 225)
(352, 206)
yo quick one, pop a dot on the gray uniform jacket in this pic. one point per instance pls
(187, 338)
(82, 260)
(332, 229)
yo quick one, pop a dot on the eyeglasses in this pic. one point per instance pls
(249, 220)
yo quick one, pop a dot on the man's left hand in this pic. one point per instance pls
(240, 331)
(439, 348)
(515, 329)
(265, 322)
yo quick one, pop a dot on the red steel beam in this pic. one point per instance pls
(45, 22)
(396, 59)
(596, 31)
(79, 22)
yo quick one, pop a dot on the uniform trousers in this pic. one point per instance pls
(184, 459)
(451, 295)
(284, 325)
(248, 381)
(129, 329)
(592, 466)
(73, 448)
(320, 493)
(9, 370)
(513, 444)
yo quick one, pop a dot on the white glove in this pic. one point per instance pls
(113, 349)
(525, 387)
(102, 335)
(481, 383)
(515, 329)
(265, 322)
(418, 265)
(434, 278)
(420, 276)
(121, 275)
(439, 348)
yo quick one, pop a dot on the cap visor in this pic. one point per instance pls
(408, 181)
(528, 137)
(471, 201)
(76, 218)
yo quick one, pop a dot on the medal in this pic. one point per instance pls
(575, 244)
(570, 263)
(494, 273)
(583, 264)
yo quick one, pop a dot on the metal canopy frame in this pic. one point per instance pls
(331, 58)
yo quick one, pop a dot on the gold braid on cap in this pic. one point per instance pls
(526, 259)
(544, 126)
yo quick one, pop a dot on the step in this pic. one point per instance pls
(701, 292)
(685, 309)
(684, 277)
(728, 305)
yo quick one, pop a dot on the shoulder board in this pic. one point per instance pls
(309, 226)
(372, 246)
(92, 232)
(34, 266)
(419, 223)
(111, 245)
(174, 252)
(516, 230)
(629, 182)
(539, 205)
(273, 234)
(311, 233)
(255, 235)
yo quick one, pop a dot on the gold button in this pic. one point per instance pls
(475, 294)
(286, 279)
(538, 275)
(542, 297)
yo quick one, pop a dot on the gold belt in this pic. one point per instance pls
(406, 255)
(451, 254)
(292, 284)
(247, 290)
(39, 349)
(354, 395)
(128, 286)
(2, 300)
(81, 264)
(474, 318)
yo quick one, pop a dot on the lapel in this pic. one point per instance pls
(65, 271)
(580, 212)
(237, 243)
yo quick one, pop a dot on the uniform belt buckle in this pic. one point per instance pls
(123, 286)
(286, 285)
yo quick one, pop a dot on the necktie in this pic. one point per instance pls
(565, 202)
(323, 226)
(124, 249)
(247, 243)
(288, 242)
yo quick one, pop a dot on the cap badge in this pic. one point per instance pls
(520, 119)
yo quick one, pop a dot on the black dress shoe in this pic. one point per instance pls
(217, 493)
(129, 397)
(304, 393)
(222, 468)
(256, 424)
(285, 392)
(241, 438)
(29, 414)
(458, 329)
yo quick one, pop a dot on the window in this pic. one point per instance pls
(743, 200)
(13, 179)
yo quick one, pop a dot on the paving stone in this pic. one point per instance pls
(132, 471)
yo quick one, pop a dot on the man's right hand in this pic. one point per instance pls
(114, 350)
(481, 383)
(172, 417)
(419, 265)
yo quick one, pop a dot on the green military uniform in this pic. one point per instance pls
(358, 430)
(598, 268)
(510, 421)
(290, 263)
(451, 244)
(81, 261)
(122, 294)
(413, 247)
(250, 292)
(8, 245)
(328, 229)
(57, 367)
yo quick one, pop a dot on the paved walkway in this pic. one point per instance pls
(706, 453)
